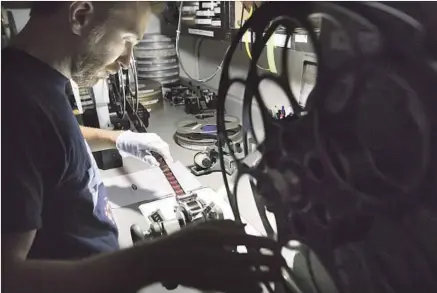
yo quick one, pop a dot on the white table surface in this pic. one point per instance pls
(164, 123)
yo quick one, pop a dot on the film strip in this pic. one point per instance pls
(171, 178)
(189, 208)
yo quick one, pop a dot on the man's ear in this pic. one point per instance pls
(81, 14)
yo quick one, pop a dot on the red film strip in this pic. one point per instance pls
(171, 178)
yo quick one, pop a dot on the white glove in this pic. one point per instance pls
(140, 145)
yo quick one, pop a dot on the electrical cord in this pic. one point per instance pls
(197, 46)
(178, 33)
(246, 43)
(270, 47)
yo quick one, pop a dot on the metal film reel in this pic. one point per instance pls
(199, 135)
(157, 59)
(353, 180)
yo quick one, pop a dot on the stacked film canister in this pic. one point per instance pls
(157, 67)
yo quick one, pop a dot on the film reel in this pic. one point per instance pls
(199, 135)
(157, 59)
(150, 94)
(346, 187)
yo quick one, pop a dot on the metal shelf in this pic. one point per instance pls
(298, 42)
(227, 32)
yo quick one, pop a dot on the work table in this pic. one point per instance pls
(126, 200)
(164, 123)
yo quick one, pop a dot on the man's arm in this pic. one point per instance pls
(122, 271)
(100, 139)
(170, 259)
(138, 145)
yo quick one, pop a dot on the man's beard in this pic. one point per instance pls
(87, 69)
(89, 63)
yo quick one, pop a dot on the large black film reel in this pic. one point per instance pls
(354, 179)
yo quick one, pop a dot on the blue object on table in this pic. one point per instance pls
(210, 128)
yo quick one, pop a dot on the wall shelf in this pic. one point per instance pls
(229, 29)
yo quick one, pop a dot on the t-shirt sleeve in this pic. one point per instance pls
(22, 163)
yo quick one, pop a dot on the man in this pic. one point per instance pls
(58, 234)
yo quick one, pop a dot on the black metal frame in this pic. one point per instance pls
(322, 174)
(139, 119)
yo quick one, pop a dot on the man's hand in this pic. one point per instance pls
(201, 256)
(140, 145)
(198, 256)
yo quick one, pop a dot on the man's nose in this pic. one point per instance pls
(125, 59)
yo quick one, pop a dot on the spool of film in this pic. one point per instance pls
(156, 105)
(156, 59)
(143, 62)
(150, 94)
(199, 135)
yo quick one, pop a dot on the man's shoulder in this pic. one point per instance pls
(24, 73)
(28, 87)
(20, 99)
(13, 64)
(17, 84)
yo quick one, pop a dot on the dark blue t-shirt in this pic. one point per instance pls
(50, 181)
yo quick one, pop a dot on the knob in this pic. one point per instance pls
(136, 233)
